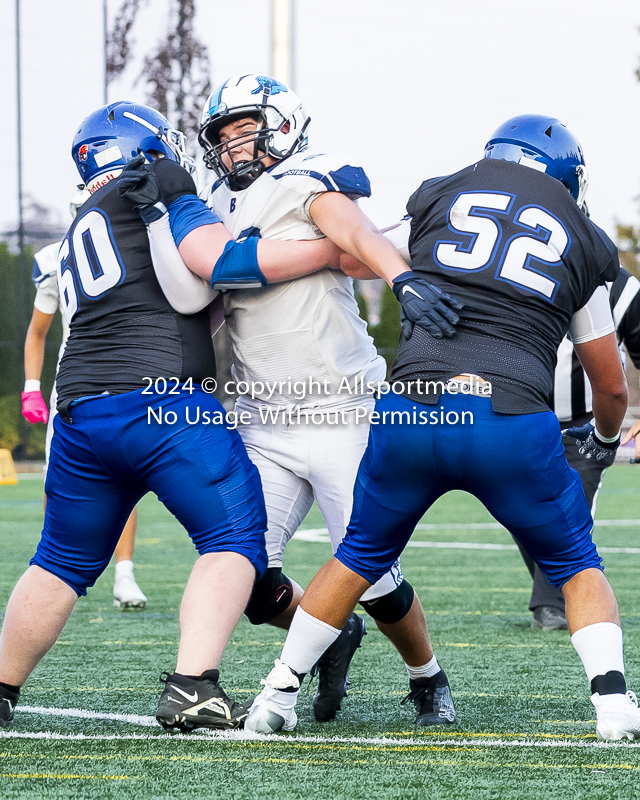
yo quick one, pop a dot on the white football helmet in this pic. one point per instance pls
(282, 125)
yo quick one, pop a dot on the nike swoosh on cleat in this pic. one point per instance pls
(212, 704)
(192, 698)
(413, 291)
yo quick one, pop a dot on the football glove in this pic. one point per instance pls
(139, 185)
(34, 409)
(589, 443)
(425, 305)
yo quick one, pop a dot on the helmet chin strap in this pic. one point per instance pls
(244, 176)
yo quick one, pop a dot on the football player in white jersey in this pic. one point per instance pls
(127, 595)
(304, 363)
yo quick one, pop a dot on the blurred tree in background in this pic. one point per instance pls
(176, 72)
(628, 241)
(11, 355)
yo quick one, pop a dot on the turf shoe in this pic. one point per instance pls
(273, 709)
(618, 716)
(549, 618)
(127, 595)
(332, 669)
(187, 703)
(8, 702)
(432, 699)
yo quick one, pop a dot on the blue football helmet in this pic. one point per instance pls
(114, 134)
(545, 144)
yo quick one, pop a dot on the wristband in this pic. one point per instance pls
(604, 439)
(31, 385)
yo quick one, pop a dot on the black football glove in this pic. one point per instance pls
(425, 305)
(590, 444)
(139, 185)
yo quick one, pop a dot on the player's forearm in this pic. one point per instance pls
(601, 362)
(344, 223)
(34, 345)
(609, 409)
(278, 260)
(375, 251)
(286, 260)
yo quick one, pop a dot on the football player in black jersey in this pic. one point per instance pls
(507, 237)
(129, 377)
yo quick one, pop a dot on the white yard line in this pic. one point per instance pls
(322, 535)
(134, 719)
(288, 740)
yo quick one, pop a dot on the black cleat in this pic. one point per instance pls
(432, 699)
(187, 703)
(8, 702)
(333, 669)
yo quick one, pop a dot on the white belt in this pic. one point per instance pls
(469, 384)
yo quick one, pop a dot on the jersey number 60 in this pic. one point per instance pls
(98, 267)
(543, 239)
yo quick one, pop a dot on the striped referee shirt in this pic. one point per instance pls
(572, 396)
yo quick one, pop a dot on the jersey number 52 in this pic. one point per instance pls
(88, 262)
(478, 216)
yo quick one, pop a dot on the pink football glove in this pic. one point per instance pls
(34, 409)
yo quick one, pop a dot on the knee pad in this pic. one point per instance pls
(391, 607)
(271, 595)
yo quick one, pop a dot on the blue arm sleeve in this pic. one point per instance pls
(237, 267)
(187, 213)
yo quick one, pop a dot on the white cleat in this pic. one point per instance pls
(127, 595)
(618, 716)
(273, 709)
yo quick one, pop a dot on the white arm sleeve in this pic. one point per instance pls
(593, 320)
(399, 237)
(187, 293)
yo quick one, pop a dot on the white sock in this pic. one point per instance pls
(124, 568)
(600, 648)
(306, 641)
(425, 671)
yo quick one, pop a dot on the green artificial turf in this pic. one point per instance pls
(526, 727)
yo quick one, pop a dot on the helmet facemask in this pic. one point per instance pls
(241, 174)
(583, 184)
(270, 122)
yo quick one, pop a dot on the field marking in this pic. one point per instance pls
(327, 742)
(49, 775)
(322, 535)
(309, 761)
(246, 736)
(133, 719)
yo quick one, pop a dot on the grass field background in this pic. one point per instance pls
(526, 727)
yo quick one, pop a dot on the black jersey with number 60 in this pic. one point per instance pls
(513, 246)
(122, 328)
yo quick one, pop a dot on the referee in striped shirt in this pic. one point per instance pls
(572, 405)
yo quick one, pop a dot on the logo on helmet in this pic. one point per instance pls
(83, 153)
(269, 86)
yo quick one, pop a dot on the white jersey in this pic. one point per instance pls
(307, 329)
(45, 278)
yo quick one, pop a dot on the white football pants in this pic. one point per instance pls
(300, 462)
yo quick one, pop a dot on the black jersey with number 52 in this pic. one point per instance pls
(512, 245)
(122, 328)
